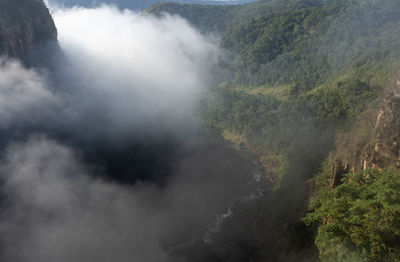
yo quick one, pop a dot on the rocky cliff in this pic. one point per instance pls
(25, 25)
(379, 145)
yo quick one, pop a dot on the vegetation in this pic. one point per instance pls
(301, 79)
(359, 219)
(313, 65)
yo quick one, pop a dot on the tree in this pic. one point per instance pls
(359, 220)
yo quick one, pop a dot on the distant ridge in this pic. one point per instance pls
(143, 4)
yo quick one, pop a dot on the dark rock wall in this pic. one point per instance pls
(25, 25)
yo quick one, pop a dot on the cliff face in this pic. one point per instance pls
(387, 130)
(380, 149)
(25, 25)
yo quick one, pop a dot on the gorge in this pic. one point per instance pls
(265, 131)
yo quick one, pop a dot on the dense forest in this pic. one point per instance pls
(310, 88)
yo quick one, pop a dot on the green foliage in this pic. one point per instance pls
(301, 73)
(345, 100)
(205, 17)
(359, 219)
(325, 73)
(306, 123)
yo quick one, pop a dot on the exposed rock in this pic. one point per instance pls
(381, 149)
(25, 25)
(338, 170)
(387, 129)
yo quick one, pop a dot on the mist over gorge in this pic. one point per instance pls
(102, 156)
(265, 131)
(142, 72)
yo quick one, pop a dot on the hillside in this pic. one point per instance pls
(310, 88)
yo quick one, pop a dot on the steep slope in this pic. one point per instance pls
(25, 25)
(310, 90)
(311, 67)
(207, 18)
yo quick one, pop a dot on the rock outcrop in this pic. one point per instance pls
(387, 128)
(338, 170)
(25, 25)
(383, 149)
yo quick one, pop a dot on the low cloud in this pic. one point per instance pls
(24, 95)
(55, 211)
(56, 208)
(124, 76)
(121, 74)
(132, 72)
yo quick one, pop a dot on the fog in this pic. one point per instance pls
(141, 72)
(23, 95)
(58, 213)
(121, 100)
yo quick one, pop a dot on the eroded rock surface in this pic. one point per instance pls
(25, 25)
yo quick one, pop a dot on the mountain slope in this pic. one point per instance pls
(303, 91)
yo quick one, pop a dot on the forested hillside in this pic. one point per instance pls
(310, 88)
